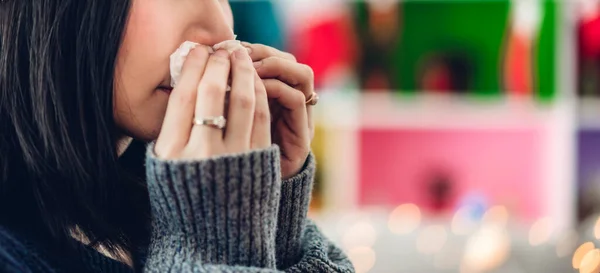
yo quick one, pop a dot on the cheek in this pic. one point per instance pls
(143, 65)
(146, 48)
(143, 60)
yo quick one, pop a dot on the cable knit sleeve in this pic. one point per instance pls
(293, 209)
(221, 215)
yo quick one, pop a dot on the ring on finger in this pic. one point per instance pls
(214, 122)
(313, 99)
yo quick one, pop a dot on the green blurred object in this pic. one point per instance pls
(546, 53)
(257, 22)
(473, 28)
(474, 32)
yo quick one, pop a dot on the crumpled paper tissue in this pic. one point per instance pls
(180, 55)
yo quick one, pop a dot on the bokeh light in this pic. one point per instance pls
(496, 215)
(597, 228)
(404, 219)
(580, 252)
(487, 249)
(363, 258)
(540, 232)
(590, 262)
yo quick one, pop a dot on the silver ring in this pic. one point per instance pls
(313, 99)
(215, 122)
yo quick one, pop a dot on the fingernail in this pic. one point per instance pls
(257, 64)
(239, 54)
(222, 54)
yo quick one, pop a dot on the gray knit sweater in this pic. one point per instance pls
(234, 214)
(226, 214)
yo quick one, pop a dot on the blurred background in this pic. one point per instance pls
(453, 135)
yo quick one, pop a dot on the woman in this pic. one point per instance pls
(84, 82)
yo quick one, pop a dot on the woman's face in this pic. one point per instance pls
(155, 29)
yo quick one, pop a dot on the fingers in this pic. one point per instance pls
(293, 101)
(211, 98)
(271, 63)
(241, 102)
(300, 76)
(176, 127)
(261, 132)
(294, 74)
(259, 52)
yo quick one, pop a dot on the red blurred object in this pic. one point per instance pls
(589, 53)
(518, 70)
(437, 78)
(325, 46)
(589, 35)
(377, 81)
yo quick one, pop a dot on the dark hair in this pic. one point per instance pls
(58, 161)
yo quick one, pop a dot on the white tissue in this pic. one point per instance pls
(229, 45)
(180, 55)
(178, 58)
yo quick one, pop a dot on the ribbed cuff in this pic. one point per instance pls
(293, 210)
(221, 210)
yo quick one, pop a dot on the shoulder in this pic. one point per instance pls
(16, 255)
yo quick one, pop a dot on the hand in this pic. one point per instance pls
(201, 94)
(288, 85)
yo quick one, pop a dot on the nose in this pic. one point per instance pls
(212, 26)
